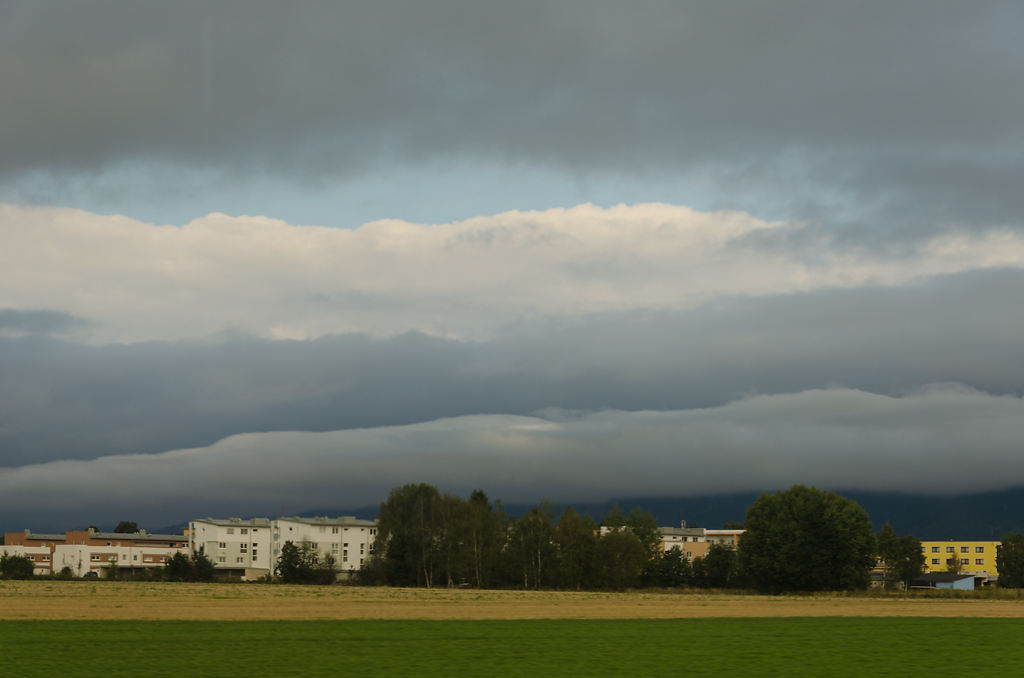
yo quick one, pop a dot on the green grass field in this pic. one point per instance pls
(772, 647)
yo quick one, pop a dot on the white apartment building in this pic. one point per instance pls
(243, 547)
(347, 539)
(250, 548)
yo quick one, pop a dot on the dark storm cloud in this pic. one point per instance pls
(63, 400)
(909, 112)
(939, 440)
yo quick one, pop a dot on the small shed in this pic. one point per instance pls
(949, 580)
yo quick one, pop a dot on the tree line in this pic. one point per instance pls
(801, 539)
(428, 538)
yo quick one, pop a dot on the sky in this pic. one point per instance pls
(260, 257)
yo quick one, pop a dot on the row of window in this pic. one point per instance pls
(952, 549)
(963, 561)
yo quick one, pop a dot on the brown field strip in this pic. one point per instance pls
(139, 600)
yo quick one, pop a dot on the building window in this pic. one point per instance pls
(965, 549)
(334, 548)
(254, 556)
(935, 549)
(334, 530)
(244, 547)
(373, 532)
(239, 560)
(221, 559)
(231, 530)
(979, 561)
(46, 559)
(950, 549)
(935, 561)
(135, 557)
(244, 530)
(345, 544)
(124, 556)
(979, 549)
(965, 561)
(344, 555)
(222, 545)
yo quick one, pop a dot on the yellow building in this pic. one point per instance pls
(974, 557)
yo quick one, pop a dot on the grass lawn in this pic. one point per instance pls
(851, 646)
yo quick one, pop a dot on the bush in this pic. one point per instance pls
(16, 567)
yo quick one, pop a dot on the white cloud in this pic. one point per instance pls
(941, 439)
(135, 281)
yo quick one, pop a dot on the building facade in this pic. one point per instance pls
(972, 556)
(90, 551)
(250, 548)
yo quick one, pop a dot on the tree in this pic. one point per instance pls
(885, 544)
(530, 545)
(621, 558)
(486, 537)
(178, 568)
(671, 569)
(203, 568)
(126, 527)
(575, 538)
(196, 567)
(1010, 561)
(720, 567)
(16, 567)
(409, 534)
(953, 561)
(806, 539)
(902, 557)
(290, 566)
(907, 559)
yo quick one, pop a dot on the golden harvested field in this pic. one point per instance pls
(145, 600)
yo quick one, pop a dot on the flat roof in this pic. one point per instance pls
(324, 520)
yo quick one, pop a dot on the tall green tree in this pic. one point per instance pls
(721, 567)
(530, 547)
(409, 534)
(291, 567)
(907, 559)
(806, 539)
(1010, 561)
(126, 527)
(622, 558)
(885, 544)
(575, 538)
(901, 558)
(486, 537)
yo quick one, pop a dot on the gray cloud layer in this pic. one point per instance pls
(940, 439)
(910, 112)
(64, 400)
